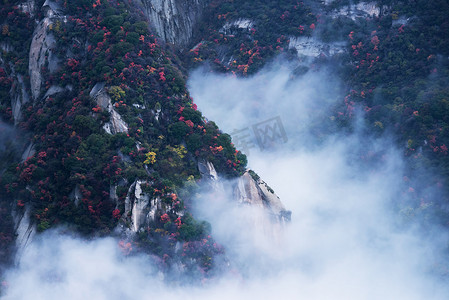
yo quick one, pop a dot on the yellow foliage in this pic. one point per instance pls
(5, 29)
(151, 158)
(161, 231)
(379, 124)
(116, 93)
(180, 150)
(55, 26)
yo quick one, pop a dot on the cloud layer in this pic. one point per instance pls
(347, 238)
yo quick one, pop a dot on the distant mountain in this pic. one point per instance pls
(101, 137)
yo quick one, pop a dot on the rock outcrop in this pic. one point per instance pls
(235, 26)
(359, 10)
(209, 175)
(174, 20)
(141, 210)
(311, 47)
(29, 152)
(28, 6)
(40, 54)
(116, 123)
(24, 228)
(19, 97)
(249, 189)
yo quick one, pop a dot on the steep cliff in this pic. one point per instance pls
(43, 46)
(142, 210)
(25, 229)
(249, 189)
(174, 20)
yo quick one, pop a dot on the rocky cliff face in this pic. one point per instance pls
(25, 229)
(313, 48)
(249, 189)
(141, 209)
(174, 20)
(210, 176)
(42, 47)
(116, 123)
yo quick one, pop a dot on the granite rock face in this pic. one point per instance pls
(250, 190)
(174, 20)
